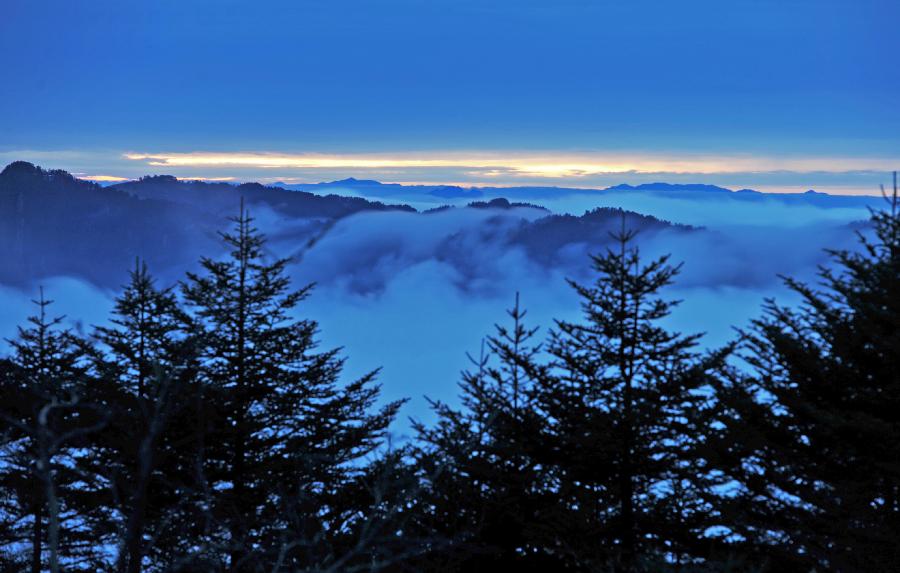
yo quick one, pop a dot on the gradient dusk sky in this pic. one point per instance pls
(780, 95)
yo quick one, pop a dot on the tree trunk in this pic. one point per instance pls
(38, 532)
(133, 550)
(627, 371)
(240, 446)
(626, 487)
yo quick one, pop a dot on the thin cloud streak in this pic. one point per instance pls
(102, 178)
(497, 165)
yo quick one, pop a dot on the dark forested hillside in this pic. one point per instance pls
(224, 197)
(54, 224)
(546, 237)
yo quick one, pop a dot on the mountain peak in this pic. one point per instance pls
(21, 168)
(22, 176)
(503, 203)
(660, 186)
(158, 179)
(354, 181)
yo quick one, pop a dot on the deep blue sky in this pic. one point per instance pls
(775, 77)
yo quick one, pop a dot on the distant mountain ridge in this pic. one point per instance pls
(227, 196)
(385, 191)
(379, 192)
(660, 186)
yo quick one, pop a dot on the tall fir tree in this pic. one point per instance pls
(624, 399)
(485, 499)
(46, 422)
(12, 532)
(811, 436)
(146, 361)
(284, 443)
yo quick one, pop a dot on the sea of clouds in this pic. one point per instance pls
(412, 293)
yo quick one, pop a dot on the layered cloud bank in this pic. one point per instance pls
(414, 295)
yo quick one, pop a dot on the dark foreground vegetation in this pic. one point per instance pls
(203, 430)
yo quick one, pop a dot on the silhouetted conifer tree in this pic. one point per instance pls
(46, 421)
(147, 367)
(485, 498)
(624, 399)
(16, 502)
(812, 436)
(284, 444)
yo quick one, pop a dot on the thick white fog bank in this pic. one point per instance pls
(366, 251)
(414, 324)
(413, 293)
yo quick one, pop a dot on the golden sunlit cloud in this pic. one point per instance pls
(103, 178)
(534, 165)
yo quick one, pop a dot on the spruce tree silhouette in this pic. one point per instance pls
(485, 496)
(812, 436)
(285, 442)
(45, 423)
(624, 400)
(147, 364)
